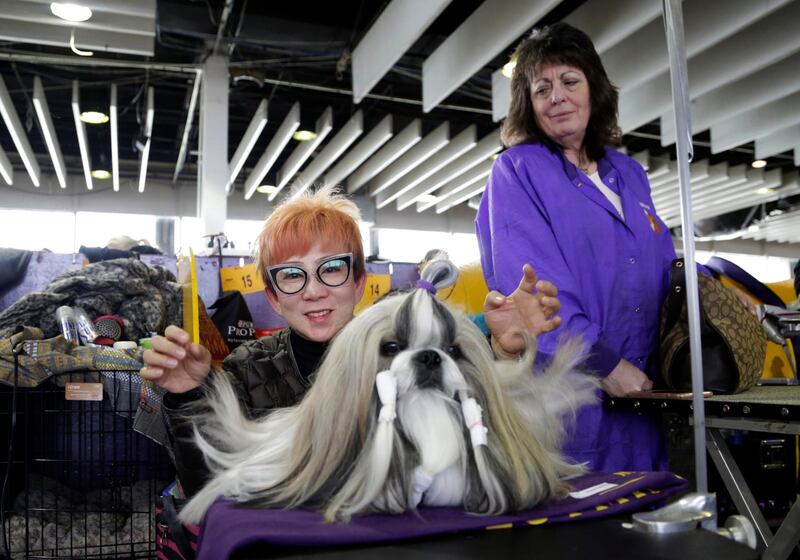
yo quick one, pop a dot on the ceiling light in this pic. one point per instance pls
(101, 174)
(765, 191)
(759, 163)
(428, 199)
(304, 135)
(494, 156)
(508, 68)
(94, 117)
(70, 12)
(753, 228)
(6, 170)
(266, 189)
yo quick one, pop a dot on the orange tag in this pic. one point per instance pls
(245, 279)
(84, 391)
(653, 222)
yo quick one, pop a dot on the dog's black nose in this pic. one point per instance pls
(428, 358)
(428, 369)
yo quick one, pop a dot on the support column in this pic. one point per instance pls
(212, 202)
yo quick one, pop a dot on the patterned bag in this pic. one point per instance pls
(734, 345)
(174, 541)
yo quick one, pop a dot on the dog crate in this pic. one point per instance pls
(79, 478)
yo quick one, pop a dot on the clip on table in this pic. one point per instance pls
(770, 409)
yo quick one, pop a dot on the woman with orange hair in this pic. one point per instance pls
(311, 257)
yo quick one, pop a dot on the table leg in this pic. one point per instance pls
(737, 487)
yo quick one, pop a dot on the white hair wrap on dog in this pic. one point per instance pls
(386, 384)
(473, 418)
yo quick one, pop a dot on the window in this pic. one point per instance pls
(405, 245)
(34, 230)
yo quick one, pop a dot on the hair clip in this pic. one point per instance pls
(425, 285)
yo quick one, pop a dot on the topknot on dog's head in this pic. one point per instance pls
(438, 274)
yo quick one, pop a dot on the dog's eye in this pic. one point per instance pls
(390, 348)
(454, 351)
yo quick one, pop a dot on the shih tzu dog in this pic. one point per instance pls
(409, 407)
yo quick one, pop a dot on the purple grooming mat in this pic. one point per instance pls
(228, 527)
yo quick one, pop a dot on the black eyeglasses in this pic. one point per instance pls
(292, 278)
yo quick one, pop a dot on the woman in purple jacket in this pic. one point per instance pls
(560, 198)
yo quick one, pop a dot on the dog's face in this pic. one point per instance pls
(423, 348)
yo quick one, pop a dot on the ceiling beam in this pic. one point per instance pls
(482, 151)
(769, 40)
(777, 141)
(329, 154)
(49, 131)
(368, 145)
(80, 129)
(247, 143)
(17, 132)
(454, 148)
(141, 8)
(85, 39)
(282, 136)
(6, 169)
(303, 151)
(421, 151)
(388, 154)
(458, 184)
(41, 15)
(398, 27)
(491, 28)
(761, 121)
(722, 103)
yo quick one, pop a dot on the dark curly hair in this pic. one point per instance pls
(561, 43)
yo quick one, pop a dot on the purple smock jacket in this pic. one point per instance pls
(612, 276)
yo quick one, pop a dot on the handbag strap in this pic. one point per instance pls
(722, 267)
(676, 295)
(176, 529)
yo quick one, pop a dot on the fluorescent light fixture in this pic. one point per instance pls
(376, 138)
(266, 189)
(80, 129)
(428, 146)
(112, 113)
(94, 117)
(461, 182)
(474, 202)
(759, 163)
(330, 153)
(428, 199)
(304, 135)
(455, 148)
(508, 68)
(274, 149)
(248, 142)
(487, 147)
(18, 134)
(384, 157)
(753, 228)
(101, 174)
(49, 131)
(763, 191)
(70, 12)
(148, 132)
(6, 170)
(304, 150)
(187, 127)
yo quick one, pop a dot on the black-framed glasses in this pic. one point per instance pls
(291, 279)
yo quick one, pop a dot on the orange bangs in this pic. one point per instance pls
(294, 226)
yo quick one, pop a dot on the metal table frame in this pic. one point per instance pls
(774, 547)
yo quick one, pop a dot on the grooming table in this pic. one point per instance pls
(772, 409)
(574, 527)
